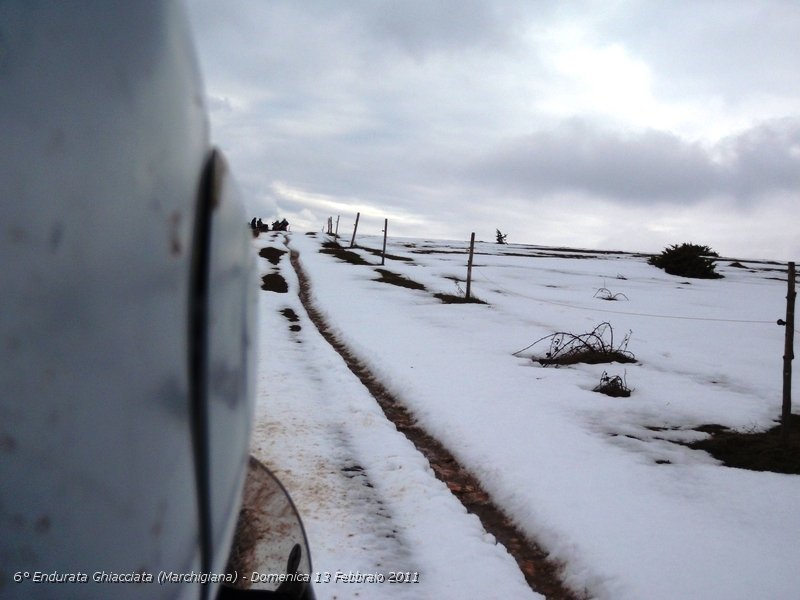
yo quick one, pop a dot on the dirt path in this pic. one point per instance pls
(540, 573)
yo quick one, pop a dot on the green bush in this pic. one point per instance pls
(687, 260)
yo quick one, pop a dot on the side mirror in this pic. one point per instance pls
(270, 548)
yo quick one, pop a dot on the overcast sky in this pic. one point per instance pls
(599, 123)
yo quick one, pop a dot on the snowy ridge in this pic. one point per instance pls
(369, 500)
(592, 478)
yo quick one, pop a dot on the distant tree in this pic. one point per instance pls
(501, 237)
(687, 260)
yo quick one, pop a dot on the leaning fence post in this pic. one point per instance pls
(385, 231)
(353, 241)
(469, 263)
(788, 355)
(336, 233)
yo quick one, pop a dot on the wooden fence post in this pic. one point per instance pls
(336, 233)
(353, 241)
(788, 355)
(385, 231)
(469, 264)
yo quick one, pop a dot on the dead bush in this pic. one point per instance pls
(614, 386)
(594, 347)
(606, 294)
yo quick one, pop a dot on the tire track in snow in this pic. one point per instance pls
(540, 573)
(328, 478)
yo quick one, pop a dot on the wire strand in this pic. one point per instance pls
(654, 316)
(635, 314)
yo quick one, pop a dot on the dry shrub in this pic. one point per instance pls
(607, 294)
(594, 347)
(614, 386)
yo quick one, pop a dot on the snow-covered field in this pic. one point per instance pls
(595, 480)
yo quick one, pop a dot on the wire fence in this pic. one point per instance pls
(500, 288)
(477, 270)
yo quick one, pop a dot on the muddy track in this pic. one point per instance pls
(540, 573)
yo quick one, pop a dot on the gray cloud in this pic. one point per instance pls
(421, 27)
(724, 49)
(441, 111)
(762, 160)
(650, 166)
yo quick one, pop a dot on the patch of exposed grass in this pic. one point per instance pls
(273, 255)
(754, 451)
(399, 280)
(274, 282)
(345, 255)
(453, 299)
(290, 315)
(377, 252)
(588, 357)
